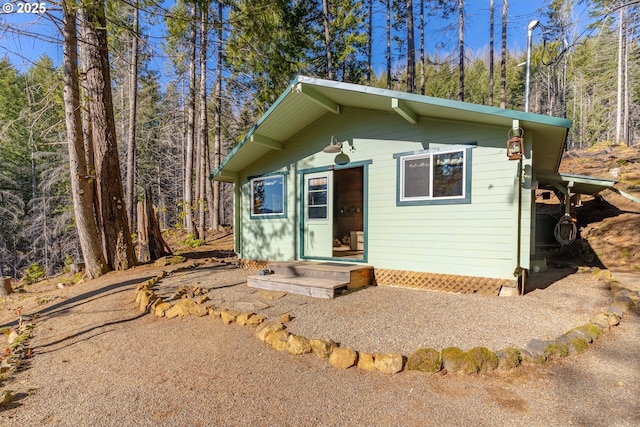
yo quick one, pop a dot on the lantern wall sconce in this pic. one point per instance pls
(515, 144)
(335, 147)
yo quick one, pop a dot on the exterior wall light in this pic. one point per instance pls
(515, 144)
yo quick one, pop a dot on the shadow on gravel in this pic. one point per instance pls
(78, 300)
(70, 339)
(15, 402)
(209, 254)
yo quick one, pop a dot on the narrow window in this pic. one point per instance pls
(267, 196)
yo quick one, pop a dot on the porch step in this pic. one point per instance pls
(309, 286)
(316, 279)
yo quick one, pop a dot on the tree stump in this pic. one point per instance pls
(6, 288)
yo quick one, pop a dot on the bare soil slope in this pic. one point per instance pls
(609, 222)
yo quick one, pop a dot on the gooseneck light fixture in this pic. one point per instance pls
(335, 147)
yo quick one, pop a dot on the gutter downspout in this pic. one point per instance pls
(237, 223)
(519, 269)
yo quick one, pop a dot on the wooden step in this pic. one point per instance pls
(309, 286)
(356, 275)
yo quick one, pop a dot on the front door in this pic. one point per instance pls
(318, 214)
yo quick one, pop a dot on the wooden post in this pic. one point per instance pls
(6, 288)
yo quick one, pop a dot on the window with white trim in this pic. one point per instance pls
(436, 176)
(268, 196)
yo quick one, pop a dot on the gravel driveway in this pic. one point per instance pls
(99, 361)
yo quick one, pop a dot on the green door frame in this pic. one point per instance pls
(365, 211)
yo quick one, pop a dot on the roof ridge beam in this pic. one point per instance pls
(320, 99)
(401, 107)
(266, 142)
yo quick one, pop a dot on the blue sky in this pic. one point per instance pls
(22, 50)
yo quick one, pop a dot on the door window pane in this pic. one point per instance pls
(317, 206)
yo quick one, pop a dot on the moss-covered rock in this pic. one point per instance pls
(556, 349)
(425, 360)
(576, 341)
(508, 358)
(484, 358)
(455, 360)
(590, 329)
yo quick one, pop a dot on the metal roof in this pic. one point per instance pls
(307, 99)
(577, 184)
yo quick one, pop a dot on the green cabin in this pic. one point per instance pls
(422, 189)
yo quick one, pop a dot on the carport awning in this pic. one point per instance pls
(577, 184)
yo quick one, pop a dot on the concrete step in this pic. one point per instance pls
(356, 275)
(309, 286)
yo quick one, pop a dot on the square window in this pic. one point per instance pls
(434, 177)
(268, 196)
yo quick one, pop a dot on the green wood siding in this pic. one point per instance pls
(476, 239)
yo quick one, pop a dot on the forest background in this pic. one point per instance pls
(164, 92)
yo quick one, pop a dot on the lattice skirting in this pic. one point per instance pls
(253, 265)
(441, 282)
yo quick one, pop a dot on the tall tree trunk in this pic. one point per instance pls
(203, 127)
(131, 134)
(81, 182)
(423, 71)
(327, 38)
(217, 144)
(190, 142)
(626, 137)
(388, 44)
(491, 13)
(411, 50)
(116, 236)
(461, 48)
(503, 56)
(621, 56)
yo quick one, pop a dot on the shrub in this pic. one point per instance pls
(32, 274)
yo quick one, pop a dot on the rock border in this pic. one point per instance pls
(193, 301)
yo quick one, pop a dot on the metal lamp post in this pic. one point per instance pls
(532, 25)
